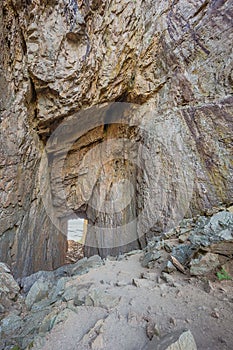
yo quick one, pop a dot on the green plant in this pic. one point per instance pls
(223, 275)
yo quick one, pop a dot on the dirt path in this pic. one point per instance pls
(126, 310)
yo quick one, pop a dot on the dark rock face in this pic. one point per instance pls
(168, 155)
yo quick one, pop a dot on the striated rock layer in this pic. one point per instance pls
(115, 111)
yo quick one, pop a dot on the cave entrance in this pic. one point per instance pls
(76, 235)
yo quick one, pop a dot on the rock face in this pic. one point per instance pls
(156, 146)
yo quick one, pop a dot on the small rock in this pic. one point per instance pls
(183, 238)
(204, 264)
(133, 252)
(2, 309)
(70, 293)
(143, 283)
(168, 247)
(150, 257)
(215, 314)
(78, 302)
(93, 333)
(179, 340)
(9, 288)
(167, 278)
(38, 291)
(207, 286)
(48, 322)
(4, 268)
(152, 329)
(121, 283)
(184, 252)
(172, 321)
(98, 342)
(152, 276)
(169, 268)
(27, 282)
(11, 323)
(102, 299)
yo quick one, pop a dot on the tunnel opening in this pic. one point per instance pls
(76, 234)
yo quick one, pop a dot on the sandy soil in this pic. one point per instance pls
(147, 306)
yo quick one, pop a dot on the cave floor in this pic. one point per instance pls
(130, 304)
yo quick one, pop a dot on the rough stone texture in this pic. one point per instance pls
(182, 340)
(204, 264)
(58, 57)
(9, 289)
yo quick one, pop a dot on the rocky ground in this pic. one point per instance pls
(178, 291)
(74, 252)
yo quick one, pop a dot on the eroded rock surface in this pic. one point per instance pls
(169, 156)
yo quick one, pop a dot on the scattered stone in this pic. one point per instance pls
(62, 316)
(74, 252)
(11, 323)
(143, 283)
(111, 258)
(98, 342)
(184, 253)
(169, 234)
(121, 283)
(2, 309)
(84, 265)
(133, 252)
(183, 238)
(27, 282)
(58, 288)
(4, 268)
(8, 286)
(93, 334)
(150, 257)
(152, 329)
(101, 299)
(172, 320)
(152, 276)
(70, 293)
(39, 290)
(49, 321)
(217, 234)
(78, 302)
(168, 247)
(207, 286)
(177, 264)
(169, 268)
(204, 264)
(179, 340)
(167, 278)
(215, 314)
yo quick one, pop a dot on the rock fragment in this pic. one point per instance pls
(204, 264)
(179, 340)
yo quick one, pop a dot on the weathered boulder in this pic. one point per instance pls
(204, 264)
(38, 291)
(216, 234)
(9, 288)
